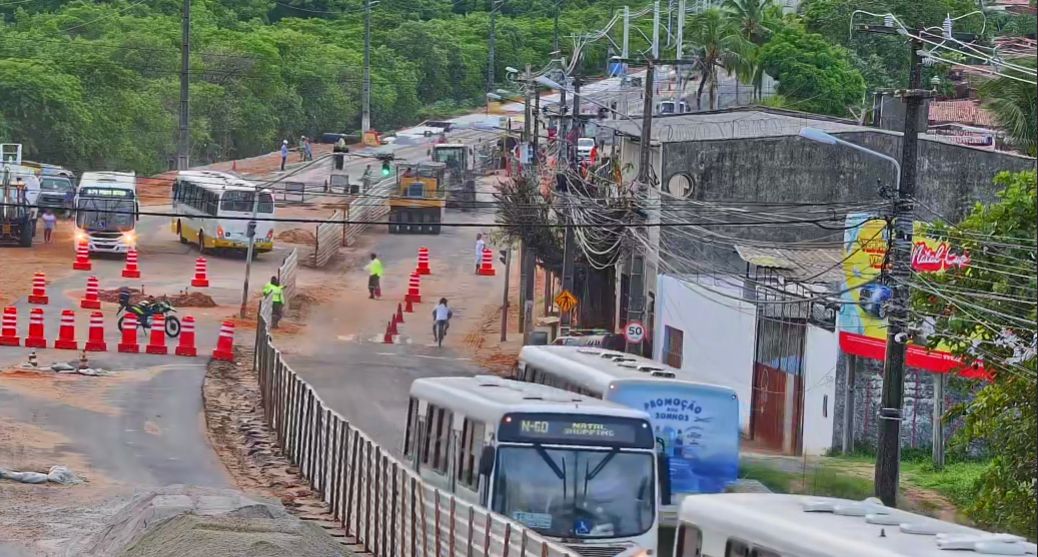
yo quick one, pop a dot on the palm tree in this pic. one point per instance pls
(718, 43)
(1014, 105)
(753, 18)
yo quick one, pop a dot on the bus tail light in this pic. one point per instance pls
(270, 234)
(219, 232)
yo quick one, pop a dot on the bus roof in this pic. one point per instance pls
(217, 181)
(109, 179)
(488, 398)
(596, 369)
(808, 526)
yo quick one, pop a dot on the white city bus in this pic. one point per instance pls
(214, 208)
(573, 468)
(696, 424)
(107, 211)
(780, 525)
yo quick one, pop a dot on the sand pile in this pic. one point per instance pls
(182, 300)
(297, 236)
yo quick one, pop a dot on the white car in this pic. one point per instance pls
(584, 147)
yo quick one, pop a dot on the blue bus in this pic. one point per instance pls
(696, 424)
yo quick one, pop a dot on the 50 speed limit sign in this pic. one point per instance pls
(634, 332)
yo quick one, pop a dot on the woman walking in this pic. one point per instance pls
(49, 222)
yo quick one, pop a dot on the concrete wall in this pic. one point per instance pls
(821, 349)
(718, 333)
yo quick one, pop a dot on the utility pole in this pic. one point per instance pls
(507, 255)
(365, 115)
(494, 4)
(251, 233)
(656, 29)
(529, 174)
(636, 289)
(577, 125)
(184, 138)
(624, 53)
(529, 261)
(681, 30)
(888, 450)
(569, 249)
(555, 34)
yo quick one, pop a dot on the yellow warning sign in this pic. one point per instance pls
(566, 301)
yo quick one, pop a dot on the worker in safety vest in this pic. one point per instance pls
(374, 269)
(276, 292)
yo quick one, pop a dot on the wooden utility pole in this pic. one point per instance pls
(184, 135)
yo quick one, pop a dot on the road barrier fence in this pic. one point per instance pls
(375, 498)
(328, 237)
(287, 275)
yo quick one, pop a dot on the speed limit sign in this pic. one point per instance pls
(634, 332)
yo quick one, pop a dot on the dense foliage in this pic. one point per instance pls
(987, 312)
(813, 75)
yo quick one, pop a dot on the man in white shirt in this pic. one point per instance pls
(441, 314)
(480, 246)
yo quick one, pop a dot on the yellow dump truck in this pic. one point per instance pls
(416, 205)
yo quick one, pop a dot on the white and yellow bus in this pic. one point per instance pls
(573, 468)
(213, 210)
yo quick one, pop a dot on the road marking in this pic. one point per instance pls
(347, 338)
(440, 357)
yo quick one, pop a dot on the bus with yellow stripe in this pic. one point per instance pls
(213, 210)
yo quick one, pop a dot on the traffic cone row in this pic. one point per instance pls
(423, 262)
(131, 270)
(82, 262)
(486, 267)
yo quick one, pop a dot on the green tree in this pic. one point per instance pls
(813, 75)
(718, 44)
(1014, 104)
(986, 312)
(754, 18)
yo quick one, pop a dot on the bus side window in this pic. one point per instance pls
(427, 439)
(468, 456)
(440, 448)
(690, 542)
(736, 548)
(412, 424)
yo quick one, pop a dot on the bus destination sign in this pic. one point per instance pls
(576, 429)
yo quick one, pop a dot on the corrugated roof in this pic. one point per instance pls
(732, 124)
(813, 265)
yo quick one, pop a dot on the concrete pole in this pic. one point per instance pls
(681, 30)
(365, 116)
(656, 29)
(627, 32)
(184, 138)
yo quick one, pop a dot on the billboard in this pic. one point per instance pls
(862, 321)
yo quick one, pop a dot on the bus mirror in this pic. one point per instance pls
(663, 471)
(486, 461)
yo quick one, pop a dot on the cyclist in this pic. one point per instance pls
(441, 318)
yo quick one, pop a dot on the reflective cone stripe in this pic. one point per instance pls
(131, 270)
(9, 329)
(157, 340)
(423, 262)
(201, 279)
(91, 300)
(39, 289)
(414, 289)
(225, 343)
(67, 331)
(82, 262)
(186, 347)
(96, 333)
(128, 343)
(487, 266)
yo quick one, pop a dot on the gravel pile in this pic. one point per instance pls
(177, 521)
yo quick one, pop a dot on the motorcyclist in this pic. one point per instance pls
(442, 313)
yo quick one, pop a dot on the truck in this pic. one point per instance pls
(417, 204)
(459, 179)
(107, 211)
(19, 192)
(57, 189)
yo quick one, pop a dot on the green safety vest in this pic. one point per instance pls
(278, 292)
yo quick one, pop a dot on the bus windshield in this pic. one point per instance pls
(56, 184)
(582, 493)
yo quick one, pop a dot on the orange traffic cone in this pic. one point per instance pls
(82, 262)
(201, 279)
(39, 290)
(487, 267)
(36, 338)
(67, 331)
(187, 338)
(399, 313)
(131, 270)
(96, 335)
(9, 331)
(91, 300)
(157, 340)
(128, 344)
(225, 344)
(423, 262)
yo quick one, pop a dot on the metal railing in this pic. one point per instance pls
(287, 275)
(329, 236)
(373, 496)
(372, 206)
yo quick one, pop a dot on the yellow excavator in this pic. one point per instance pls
(417, 204)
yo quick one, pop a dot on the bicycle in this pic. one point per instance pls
(440, 331)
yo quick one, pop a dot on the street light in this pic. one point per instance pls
(820, 136)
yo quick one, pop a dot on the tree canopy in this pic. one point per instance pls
(813, 75)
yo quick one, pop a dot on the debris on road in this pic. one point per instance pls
(183, 520)
(182, 300)
(57, 474)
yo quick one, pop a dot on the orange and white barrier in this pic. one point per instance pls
(423, 262)
(225, 344)
(67, 331)
(36, 337)
(96, 334)
(128, 344)
(39, 290)
(9, 329)
(414, 289)
(201, 279)
(131, 270)
(92, 298)
(186, 347)
(157, 340)
(82, 262)
(486, 268)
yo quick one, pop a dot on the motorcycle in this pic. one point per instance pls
(146, 310)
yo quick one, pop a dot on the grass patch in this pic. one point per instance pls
(772, 478)
(957, 481)
(822, 480)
